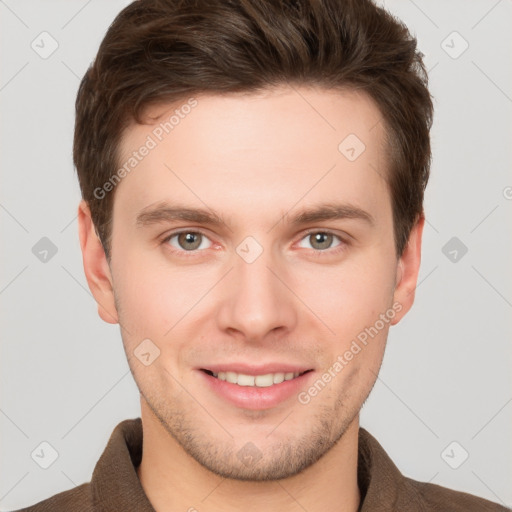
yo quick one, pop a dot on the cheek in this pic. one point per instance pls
(350, 297)
(152, 296)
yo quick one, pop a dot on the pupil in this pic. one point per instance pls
(189, 241)
(323, 239)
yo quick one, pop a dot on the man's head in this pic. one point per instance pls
(166, 51)
(268, 219)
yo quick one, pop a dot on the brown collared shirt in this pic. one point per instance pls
(115, 486)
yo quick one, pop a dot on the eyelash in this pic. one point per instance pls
(317, 253)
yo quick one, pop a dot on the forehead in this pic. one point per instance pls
(293, 139)
(306, 113)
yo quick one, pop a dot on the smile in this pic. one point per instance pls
(261, 381)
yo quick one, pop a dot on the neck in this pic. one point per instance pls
(173, 480)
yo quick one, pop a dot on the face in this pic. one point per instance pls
(254, 242)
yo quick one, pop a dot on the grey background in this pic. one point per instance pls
(446, 374)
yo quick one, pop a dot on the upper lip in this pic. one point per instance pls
(252, 369)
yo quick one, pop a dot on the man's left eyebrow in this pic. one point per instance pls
(331, 211)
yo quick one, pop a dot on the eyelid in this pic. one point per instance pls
(323, 230)
(179, 231)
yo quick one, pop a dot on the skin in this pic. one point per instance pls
(256, 160)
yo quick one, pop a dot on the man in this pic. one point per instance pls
(252, 176)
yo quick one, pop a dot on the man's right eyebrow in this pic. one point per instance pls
(163, 212)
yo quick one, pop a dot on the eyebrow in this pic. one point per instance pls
(164, 212)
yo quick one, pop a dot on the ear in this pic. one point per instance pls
(407, 271)
(97, 270)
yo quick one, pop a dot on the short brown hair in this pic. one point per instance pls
(160, 51)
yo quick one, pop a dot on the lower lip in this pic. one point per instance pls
(257, 398)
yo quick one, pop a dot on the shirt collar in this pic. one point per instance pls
(114, 483)
(381, 484)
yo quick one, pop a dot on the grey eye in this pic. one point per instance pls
(319, 240)
(189, 241)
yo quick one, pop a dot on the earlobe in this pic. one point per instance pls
(407, 270)
(97, 270)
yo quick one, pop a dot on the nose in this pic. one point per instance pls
(256, 300)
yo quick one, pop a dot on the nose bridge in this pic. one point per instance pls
(255, 300)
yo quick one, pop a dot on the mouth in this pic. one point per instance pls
(259, 381)
(259, 388)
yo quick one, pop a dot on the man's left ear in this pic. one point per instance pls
(408, 267)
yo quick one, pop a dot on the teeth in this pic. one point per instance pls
(245, 380)
(263, 381)
(278, 378)
(260, 381)
(230, 377)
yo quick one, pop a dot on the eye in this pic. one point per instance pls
(320, 240)
(188, 241)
